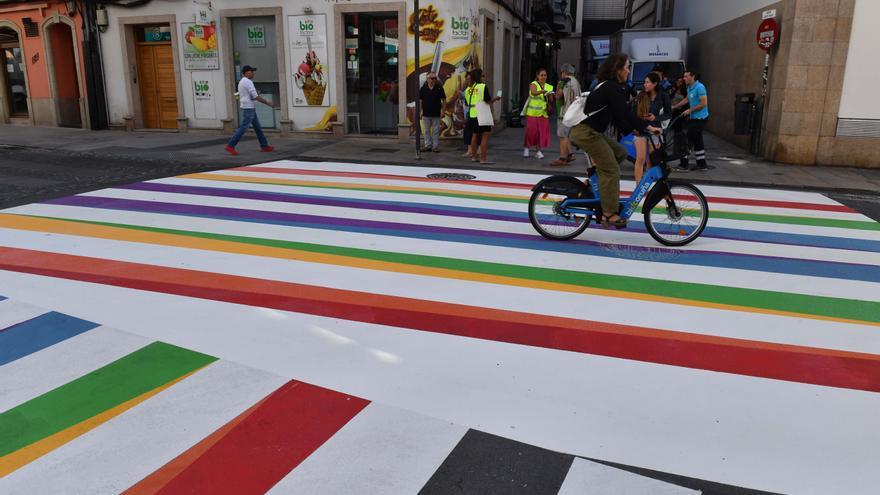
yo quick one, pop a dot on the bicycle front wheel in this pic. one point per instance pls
(550, 221)
(679, 217)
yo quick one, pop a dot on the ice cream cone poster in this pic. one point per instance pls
(308, 52)
(200, 47)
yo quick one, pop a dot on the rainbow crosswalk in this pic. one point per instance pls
(749, 353)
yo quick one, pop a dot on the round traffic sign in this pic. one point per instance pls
(768, 34)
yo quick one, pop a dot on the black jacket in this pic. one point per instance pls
(612, 96)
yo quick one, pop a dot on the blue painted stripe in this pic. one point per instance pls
(39, 333)
(2, 298)
(635, 226)
(817, 268)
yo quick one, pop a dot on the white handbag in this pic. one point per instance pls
(574, 115)
(484, 114)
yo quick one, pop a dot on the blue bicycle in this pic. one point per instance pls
(675, 212)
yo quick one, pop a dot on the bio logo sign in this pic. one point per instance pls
(460, 28)
(307, 27)
(201, 90)
(256, 36)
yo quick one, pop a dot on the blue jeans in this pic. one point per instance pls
(248, 117)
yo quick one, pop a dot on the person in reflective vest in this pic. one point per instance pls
(537, 118)
(478, 91)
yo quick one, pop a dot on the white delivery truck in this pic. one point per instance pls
(649, 47)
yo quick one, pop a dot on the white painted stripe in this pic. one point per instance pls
(121, 452)
(735, 324)
(381, 450)
(13, 312)
(591, 478)
(764, 434)
(52, 367)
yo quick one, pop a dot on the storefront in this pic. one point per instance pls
(333, 68)
(41, 82)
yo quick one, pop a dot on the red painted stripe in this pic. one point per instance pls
(258, 451)
(811, 365)
(794, 205)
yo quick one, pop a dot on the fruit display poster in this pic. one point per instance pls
(200, 47)
(308, 53)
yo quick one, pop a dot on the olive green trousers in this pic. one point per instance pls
(607, 155)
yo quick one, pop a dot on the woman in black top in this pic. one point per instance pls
(652, 105)
(607, 104)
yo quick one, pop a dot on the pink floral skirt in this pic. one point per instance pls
(537, 132)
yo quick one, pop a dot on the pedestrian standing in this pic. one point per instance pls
(680, 141)
(665, 85)
(478, 92)
(652, 105)
(537, 119)
(247, 95)
(433, 100)
(698, 115)
(467, 132)
(569, 89)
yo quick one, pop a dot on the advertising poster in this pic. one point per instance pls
(200, 47)
(308, 52)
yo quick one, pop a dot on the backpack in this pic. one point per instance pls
(575, 113)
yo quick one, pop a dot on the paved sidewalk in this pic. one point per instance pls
(732, 165)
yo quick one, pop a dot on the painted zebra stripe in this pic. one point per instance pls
(681, 292)
(116, 455)
(39, 333)
(13, 312)
(268, 443)
(635, 226)
(381, 450)
(38, 373)
(591, 478)
(760, 359)
(484, 463)
(817, 268)
(46, 422)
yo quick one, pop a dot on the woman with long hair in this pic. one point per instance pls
(478, 92)
(605, 105)
(652, 105)
(537, 118)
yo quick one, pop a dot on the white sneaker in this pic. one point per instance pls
(539, 155)
(525, 152)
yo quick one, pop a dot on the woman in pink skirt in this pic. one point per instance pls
(537, 118)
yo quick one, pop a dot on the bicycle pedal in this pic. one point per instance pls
(545, 195)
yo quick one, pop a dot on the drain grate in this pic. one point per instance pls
(382, 150)
(450, 176)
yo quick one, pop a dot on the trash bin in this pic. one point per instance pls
(742, 115)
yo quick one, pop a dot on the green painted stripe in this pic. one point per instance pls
(834, 307)
(751, 217)
(124, 379)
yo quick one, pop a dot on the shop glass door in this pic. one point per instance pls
(371, 83)
(254, 43)
(16, 88)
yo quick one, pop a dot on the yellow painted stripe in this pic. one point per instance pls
(121, 234)
(345, 185)
(34, 451)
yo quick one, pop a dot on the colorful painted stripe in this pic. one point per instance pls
(635, 227)
(773, 264)
(39, 333)
(44, 423)
(869, 225)
(694, 294)
(258, 448)
(760, 359)
(797, 205)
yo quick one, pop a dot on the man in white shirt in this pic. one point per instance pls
(247, 95)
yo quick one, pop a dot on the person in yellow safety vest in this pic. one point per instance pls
(476, 92)
(537, 118)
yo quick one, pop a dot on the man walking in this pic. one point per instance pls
(433, 100)
(698, 115)
(569, 89)
(247, 95)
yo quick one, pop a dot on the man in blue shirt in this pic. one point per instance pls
(698, 115)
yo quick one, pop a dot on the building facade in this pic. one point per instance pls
(42, 81)
(819, 106)
(330, 67)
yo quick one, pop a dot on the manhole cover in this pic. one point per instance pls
(448, 176)
(13, 147)
(382, 150)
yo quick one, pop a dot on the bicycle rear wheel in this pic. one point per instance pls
(548, 219)
(679, 217)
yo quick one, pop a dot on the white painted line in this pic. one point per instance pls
(591, 478)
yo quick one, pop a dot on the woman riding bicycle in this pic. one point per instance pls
(605, 105)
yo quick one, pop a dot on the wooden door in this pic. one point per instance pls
(158, 85)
